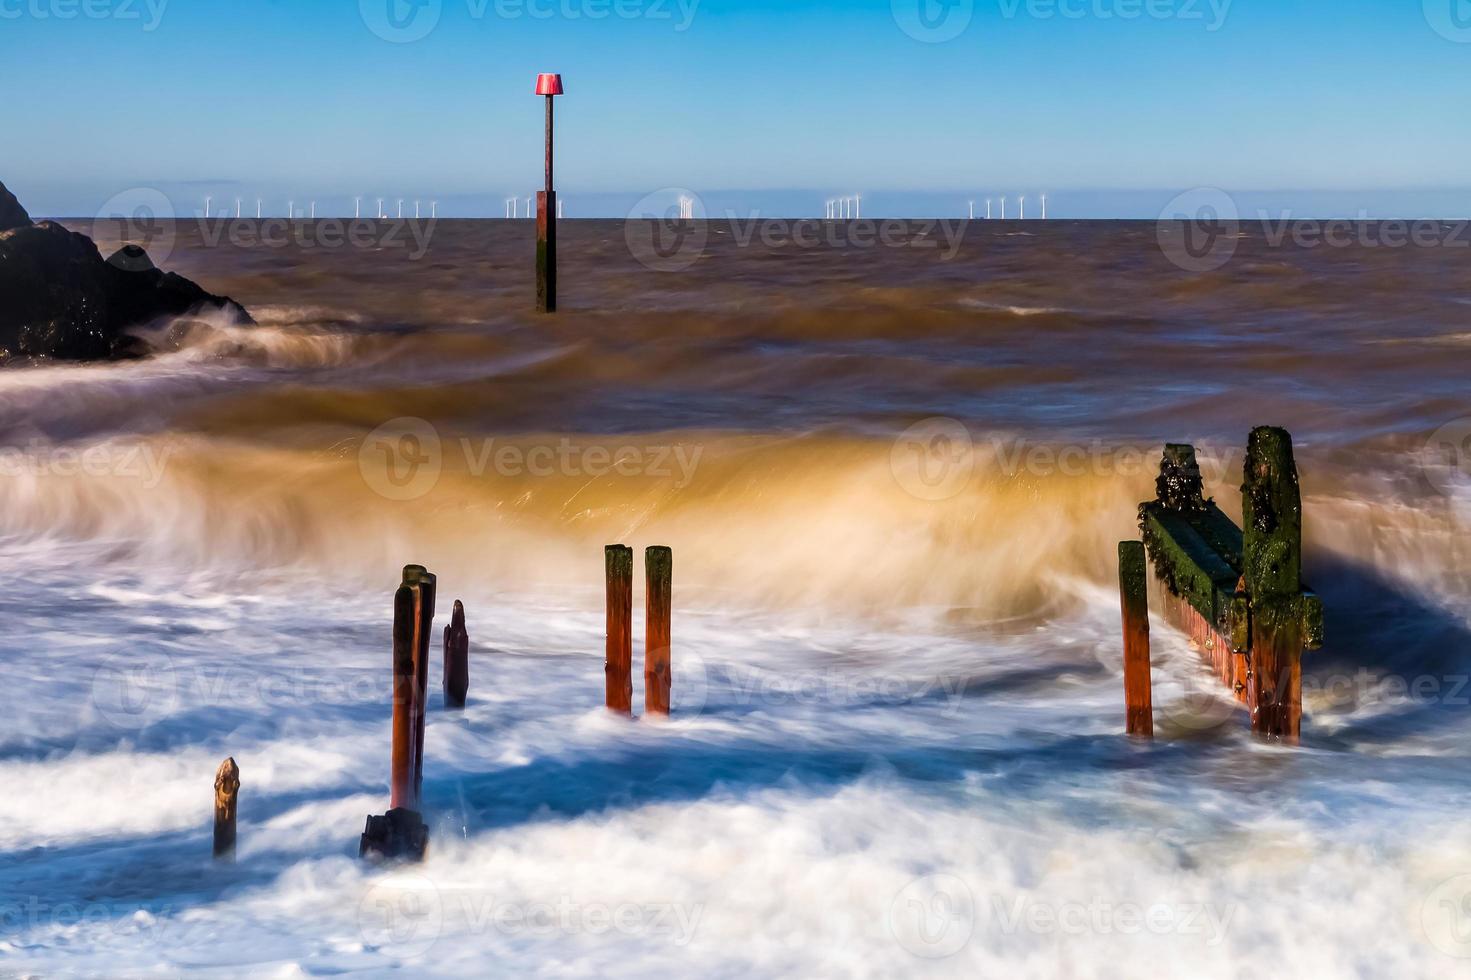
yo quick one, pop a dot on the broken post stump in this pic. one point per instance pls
(1134, 603)
(619, 665)
(456, 659)
(658, 604)
(400, 834)
(227, 795)
(1238, 594)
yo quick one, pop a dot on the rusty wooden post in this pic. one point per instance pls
(1134, 603)
(405, 618)
(401, 832)
(456, 659)
(423, 630)
(658, 603)
(1271, 518)
(619, 666)
(549, 85)
(227, 792)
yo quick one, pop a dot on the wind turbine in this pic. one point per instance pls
(529, 212)
(416, 210)
(972, 210)
(357, 208)
(858, 206)
(559, 208)
(257, 208)
(207, 202)
(380, 209)
(314, 210)
(1044, 207)
(433, 209)
(290, 210)
(1022, 203)
(237, 209)
(988, 209)
(400, 207)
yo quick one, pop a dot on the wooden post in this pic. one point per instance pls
(227, 792)
(423, 630)
(1134, 602)
(405, 618)
(456, 659)
(658, 603)
(1271, 518)
(619, 665)
(546, 249)
(546, 233)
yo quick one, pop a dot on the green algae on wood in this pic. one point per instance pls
(1271, 515)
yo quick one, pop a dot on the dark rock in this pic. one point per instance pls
(54, 290)
(12, 215)
(398, 835)
(59, 299)
(141, 293)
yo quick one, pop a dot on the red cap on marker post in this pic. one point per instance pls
(548, 84)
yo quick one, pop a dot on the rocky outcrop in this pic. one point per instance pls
(12, 215)
(60, 299)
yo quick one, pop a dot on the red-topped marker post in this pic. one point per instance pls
(549, 85)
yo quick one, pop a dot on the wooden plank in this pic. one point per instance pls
(658, 606)
(618, 668)
(1134, 606)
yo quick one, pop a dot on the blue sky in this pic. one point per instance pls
(1112, 106)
